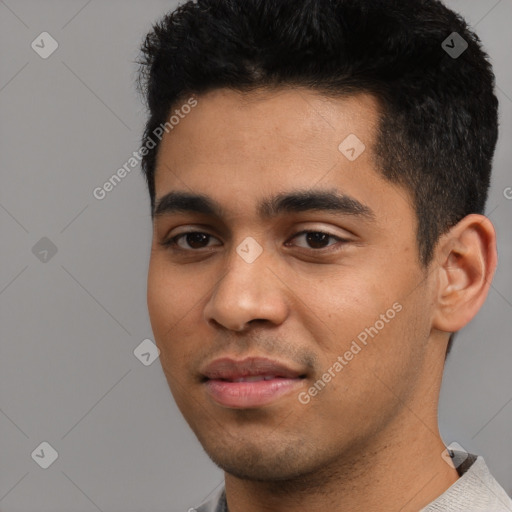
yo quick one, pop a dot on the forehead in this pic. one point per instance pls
(239, 148)
(281, 125)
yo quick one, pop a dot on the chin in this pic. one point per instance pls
(264, 463)
(260, 471)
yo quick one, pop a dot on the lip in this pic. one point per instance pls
(249, 383)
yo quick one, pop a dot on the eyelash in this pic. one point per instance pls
(172, 243)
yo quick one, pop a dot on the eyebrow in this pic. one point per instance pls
(283, 203)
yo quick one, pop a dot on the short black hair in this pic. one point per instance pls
(439, 114)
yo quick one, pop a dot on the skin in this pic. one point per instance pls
(369, 440)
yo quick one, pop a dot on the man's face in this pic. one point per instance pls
(250, 296)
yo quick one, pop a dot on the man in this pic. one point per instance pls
(318, 172)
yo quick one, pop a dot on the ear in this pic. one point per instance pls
(466, 261)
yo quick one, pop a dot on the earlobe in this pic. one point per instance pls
(467, 260)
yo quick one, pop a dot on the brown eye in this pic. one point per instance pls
(196, 240)
(192, 240)
(317, 239)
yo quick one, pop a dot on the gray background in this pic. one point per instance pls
(69, 326)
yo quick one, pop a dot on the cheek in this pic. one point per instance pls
(168, 298)
(347, 301)
(368, 361)
(159, 298)
(170, 291)
(174, 301)
(355, 315)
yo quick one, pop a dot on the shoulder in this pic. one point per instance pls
(475, 491)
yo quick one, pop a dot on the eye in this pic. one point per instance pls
(318, 240)
(194, 240)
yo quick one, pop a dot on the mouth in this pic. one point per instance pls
(249, 383)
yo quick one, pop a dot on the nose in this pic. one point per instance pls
(247, 292)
